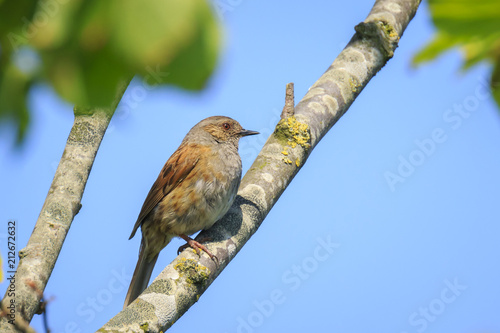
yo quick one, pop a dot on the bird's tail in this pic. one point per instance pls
(141, 276)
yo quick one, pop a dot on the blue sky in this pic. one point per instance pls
(344, 249)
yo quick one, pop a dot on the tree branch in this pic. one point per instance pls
(62, 203)
(183, 281)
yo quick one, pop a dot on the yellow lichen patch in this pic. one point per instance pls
(285, 154)
(192, 271)
(300, 132)
(389, 30)
(297, 162)
(145, 327)
(293, 133)
(354, 85)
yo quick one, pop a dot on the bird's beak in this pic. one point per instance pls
(245, 132)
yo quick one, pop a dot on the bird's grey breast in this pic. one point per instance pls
(221, 192)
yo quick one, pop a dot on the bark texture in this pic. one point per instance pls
(183, 281)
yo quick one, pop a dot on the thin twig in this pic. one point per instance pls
(289, 108)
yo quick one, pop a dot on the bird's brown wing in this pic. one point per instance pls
(175, 170)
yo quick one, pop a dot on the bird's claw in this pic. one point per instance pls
(197, 247)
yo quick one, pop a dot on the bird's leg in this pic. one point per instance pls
(195, 246)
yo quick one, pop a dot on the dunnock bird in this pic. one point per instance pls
(195, 188)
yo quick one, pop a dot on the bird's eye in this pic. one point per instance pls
(226, 126)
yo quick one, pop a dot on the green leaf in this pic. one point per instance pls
(472, 18)
(495, 82)
(14, 86)
(195, 62)
(480, 49)
(174, 42)
(89, 47)
(441, 43)
(84, 68)
(54, 24)
(473, 26)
